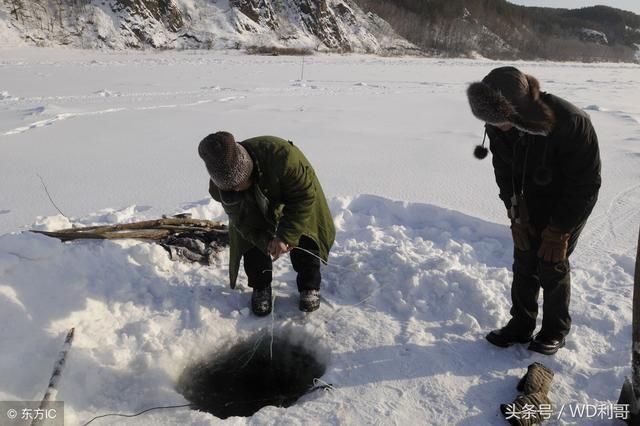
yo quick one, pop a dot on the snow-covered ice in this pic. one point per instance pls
(421, 267)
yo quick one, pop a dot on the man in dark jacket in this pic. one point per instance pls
(275, 206)
(547, 166)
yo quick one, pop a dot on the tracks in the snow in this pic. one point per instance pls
(618, 222)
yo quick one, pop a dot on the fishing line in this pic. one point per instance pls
(137, 414)
(273, 322)
(373, 293)
(44, 185)
(318, 384)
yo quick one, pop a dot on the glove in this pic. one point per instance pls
(537, 380)
(520, 234)
(554, 246)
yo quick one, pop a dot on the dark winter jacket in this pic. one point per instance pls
(570, 153)
(285, 200)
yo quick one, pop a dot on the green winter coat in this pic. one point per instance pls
(285, 200)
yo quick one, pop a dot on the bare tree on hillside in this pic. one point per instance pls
(17, 10)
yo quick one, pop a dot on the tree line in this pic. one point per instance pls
(500, 30)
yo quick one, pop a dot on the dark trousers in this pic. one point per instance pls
(257, 266)
(530, 274)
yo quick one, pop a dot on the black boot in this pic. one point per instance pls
(309, 300)
(308, 268)
(507, 336)
(547, 345)
(261, 301)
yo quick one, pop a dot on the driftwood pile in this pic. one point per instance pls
(194, 240)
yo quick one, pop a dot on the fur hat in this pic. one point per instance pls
(507, 95)
(228, 163)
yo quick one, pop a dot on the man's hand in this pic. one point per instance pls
(520, 234)
(555, 244)
(277, 248)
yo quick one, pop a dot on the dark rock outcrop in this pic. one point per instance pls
(164, 11)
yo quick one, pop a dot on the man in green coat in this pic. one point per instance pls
(275, 206)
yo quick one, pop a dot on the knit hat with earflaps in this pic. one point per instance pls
(228, 163)
(506, 95)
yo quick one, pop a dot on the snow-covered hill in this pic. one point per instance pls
(498, 29)
(337, 25)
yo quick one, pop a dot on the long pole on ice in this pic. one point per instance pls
(631, 388)
(635, 357)
(52, 389)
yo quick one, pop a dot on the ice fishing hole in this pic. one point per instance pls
(243, 378)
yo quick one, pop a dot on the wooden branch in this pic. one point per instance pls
(143, 234)
(145, 230)
(201, 223)
(222, 229)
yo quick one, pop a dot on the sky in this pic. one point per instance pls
(631, 5)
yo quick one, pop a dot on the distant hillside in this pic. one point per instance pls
(490, 28)
(335, 25)
(499, 29)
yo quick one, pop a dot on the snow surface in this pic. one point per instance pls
(421, 266)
